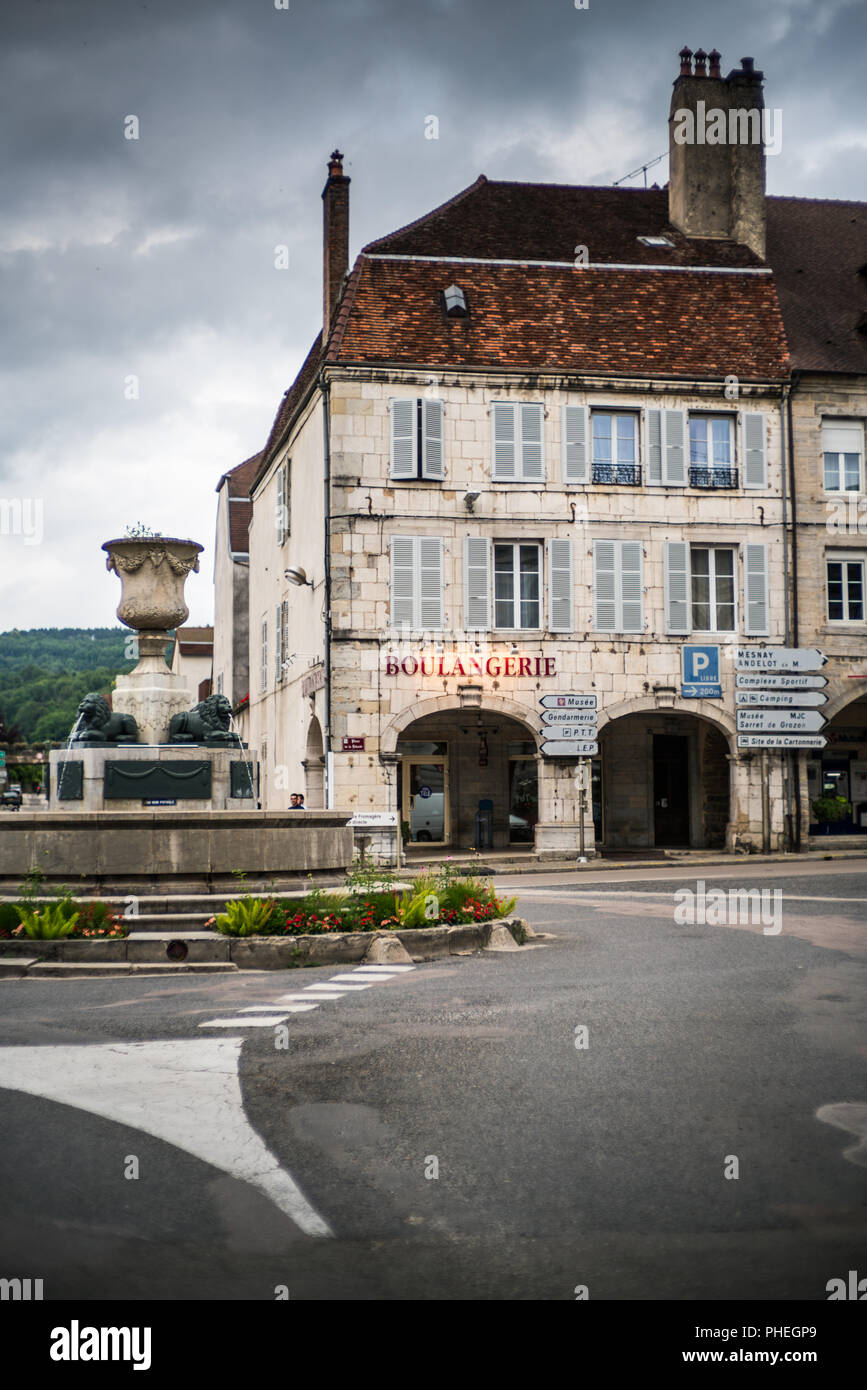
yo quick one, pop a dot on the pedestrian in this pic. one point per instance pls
(296, 802)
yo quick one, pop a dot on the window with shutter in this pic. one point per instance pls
(618, 589)
(560, 585)
(518, 451)
(264, 670)
(531, 442)
(504, 441)
(284, 633)
(416, 582)
(574, 443)
(843, 456)
(477, 583)
(278, 645)
(711, 457)
(281, 506)
(433, 465)
(417, 449)
(755, 464)
(517, 585)
(756, 586)
(666, 447)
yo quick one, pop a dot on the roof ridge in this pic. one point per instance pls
(418, 221)
(344, 308)
(796, 198)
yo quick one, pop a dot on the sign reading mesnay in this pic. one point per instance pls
(779, 659)
(571, 724)
(781, 699)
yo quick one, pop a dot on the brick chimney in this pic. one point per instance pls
(716, 184)
(335, 228)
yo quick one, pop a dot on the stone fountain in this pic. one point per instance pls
(154, 747)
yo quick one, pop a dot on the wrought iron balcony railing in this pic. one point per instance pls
(712, 477)
(627, 474)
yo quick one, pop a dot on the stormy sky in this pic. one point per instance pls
(154, 258)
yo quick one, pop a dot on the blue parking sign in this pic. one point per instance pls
(701, 678)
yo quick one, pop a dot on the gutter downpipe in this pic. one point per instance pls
(796, 761)
(788, 759)
(326, 440)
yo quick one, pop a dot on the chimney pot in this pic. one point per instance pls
(685, 65)
(748, 66)
(335, 202)
(714, 58)
(700, 59)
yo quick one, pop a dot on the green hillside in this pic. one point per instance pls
(44, 672)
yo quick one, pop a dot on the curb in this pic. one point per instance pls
(82, 959)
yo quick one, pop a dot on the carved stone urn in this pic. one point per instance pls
(152, 571)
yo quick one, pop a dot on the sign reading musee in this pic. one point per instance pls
(568, 702)
(779, 659)
(790, 721)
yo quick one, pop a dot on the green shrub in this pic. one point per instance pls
(9, 919)
(47, 922)
(245, 916)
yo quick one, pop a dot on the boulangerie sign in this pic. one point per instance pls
(433, 664)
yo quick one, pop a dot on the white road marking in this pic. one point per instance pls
(269, 1008)
(367, 975)
(392, 969)
(238, 1022)
(318, 989)
(351, 982)
(320, 994)
(184, 1092)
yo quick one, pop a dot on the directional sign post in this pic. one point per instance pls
(790, 721)
(571, 732)
(564, 748)
(568, 701)
(781, 741)
(569, 716)
(781, 699)
(779, 659)
(787, 680)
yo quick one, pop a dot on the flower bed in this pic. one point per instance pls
(65, 918)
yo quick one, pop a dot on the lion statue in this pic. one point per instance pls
(97, 724)
(207, 722)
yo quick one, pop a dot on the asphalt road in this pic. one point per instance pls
(558, 1165)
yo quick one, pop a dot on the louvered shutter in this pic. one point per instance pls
(432, 458)
(756, 589)
(287, 497)
(430, 582)
(574, 443)
(403, 581)
(264, 672)
(477, 583)
(404, 453)
(278, 645)
(755, 464)
(503, 441)
(284, 628)
(653, 423)
(560, 585)
(677, 618)
(674, 460)
(531, 442)
(604, 586)
(631, 596)
(281, 505)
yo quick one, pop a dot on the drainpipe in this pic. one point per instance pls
(326, 439)
(788, 758)
(796, 761)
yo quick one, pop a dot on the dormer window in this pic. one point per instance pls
(657, 241)
(456, 302)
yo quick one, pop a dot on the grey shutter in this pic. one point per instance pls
(756, 589)
(430, 582)
(677, 617)
(403, 585)
(531, 442)
(573, 428)
(281, 505)
(432, 457)
(278, 645)
(559, 585)
(264, 671)
(674, 465)
(403, 438)
(477, 583)
(287, 496)
(631, 595)
(755, 464)
(503, 432)
(604, 586)
(653, 420)
(284, 628)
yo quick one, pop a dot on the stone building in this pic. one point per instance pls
(539, 451)
(230, 674)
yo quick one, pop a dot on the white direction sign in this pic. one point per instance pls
(568, 702)
(779, 659)
(790, 721)
(781, 741)
(766, 680)
(569, 749)
(781, 699)
(570, 731)
(569, 716)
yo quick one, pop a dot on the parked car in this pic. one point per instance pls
(12, 797)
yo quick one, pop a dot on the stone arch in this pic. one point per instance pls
(837, 703)
(649, 704)
(451, 704)
(314, 767)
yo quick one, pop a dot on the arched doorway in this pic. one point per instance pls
(314, 768)
(662, 780)
(456, 763)
(839, 770)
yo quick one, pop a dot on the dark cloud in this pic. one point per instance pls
(156, 257)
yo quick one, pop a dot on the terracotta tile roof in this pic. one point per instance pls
(238, 482)
(523, 317)
(817, 248)
(240, 516)
(546, 221)
(240, 477)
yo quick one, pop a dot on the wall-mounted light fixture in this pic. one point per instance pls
(470, 500)
(297, 576)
